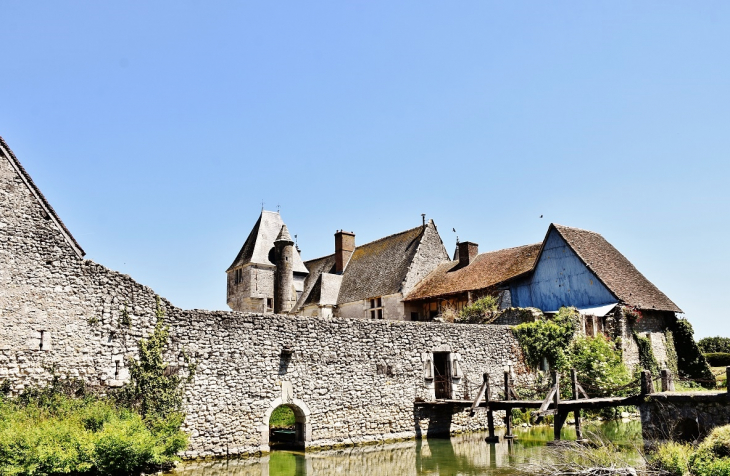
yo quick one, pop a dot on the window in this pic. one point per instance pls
(376, 308)
(238, 276)
(269, 303)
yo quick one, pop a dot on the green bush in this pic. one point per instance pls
(712, 457)
(671, 458)
(548, 339)
(65, 429)
(477, 311)
(718, 359)
(599, 366)
(58, 434)
(714, 344)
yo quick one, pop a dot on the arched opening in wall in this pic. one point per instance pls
(287, 428)
(686, 430)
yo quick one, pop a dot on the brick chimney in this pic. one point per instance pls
(344, 246)
(467, 252)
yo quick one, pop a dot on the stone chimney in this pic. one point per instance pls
(344, 246)
(467, 252)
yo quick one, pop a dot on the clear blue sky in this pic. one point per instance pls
(156, 129)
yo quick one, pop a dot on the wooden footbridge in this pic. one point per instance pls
(552, 404)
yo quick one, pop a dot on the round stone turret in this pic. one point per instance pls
(284, 279)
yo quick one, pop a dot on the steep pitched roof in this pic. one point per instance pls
(380, 267)
(614, 270)
(7, 152)
(487, 270)
(260, 242)
(312, 283)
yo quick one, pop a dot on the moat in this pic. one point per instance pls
(466, 454)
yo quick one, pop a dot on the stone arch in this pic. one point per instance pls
(302, 418)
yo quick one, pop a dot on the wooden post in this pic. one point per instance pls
(508, 411)
(557, 424)
(647, 387)
(490, 413)
(576, 412)
(667, 381)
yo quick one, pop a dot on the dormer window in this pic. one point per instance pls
(376, 308)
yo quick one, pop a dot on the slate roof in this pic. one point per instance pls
(487, 270)
(614, 270)
(379, 267)
(39, 195)
(312, 283)
(260, 242)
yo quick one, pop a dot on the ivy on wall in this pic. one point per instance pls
(647, 361)
(690, 361)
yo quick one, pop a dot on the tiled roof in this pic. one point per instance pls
(487, 270)
(380, 267)
(44, 203)
(312, 283)
(614, 270)
(260, 242)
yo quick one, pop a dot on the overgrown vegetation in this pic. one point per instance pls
(714, 344)
(66, 428)
(709, 458)
(690, 361)
(718, 359)
(597, 360)
(548, 339)
(647, 361)
(478, 310)
(282, 417)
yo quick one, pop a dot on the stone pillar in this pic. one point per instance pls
(284, 277)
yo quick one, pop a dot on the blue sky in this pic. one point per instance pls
(156, 129)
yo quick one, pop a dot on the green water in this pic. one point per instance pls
(458, 455)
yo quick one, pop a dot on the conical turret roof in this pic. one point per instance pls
(284, 235)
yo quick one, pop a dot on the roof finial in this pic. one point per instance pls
(262, 204)
(423, 217)
(278, 207)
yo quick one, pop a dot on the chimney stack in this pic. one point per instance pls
(344, 246)
(467, 252)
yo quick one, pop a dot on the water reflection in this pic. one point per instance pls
(459, 455)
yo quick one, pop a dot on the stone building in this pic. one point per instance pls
(369, 281)
(570, 268)
(252, 278)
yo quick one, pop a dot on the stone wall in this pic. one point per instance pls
(355, 380)
(682, 417)
(351, 380)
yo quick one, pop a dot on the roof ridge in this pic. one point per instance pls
(389, 236)
(506, 249)
(44, 202)
(317, 259)
(557, 225)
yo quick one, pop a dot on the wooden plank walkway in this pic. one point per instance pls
(551, 405)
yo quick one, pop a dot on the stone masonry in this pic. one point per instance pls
(349, 381)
